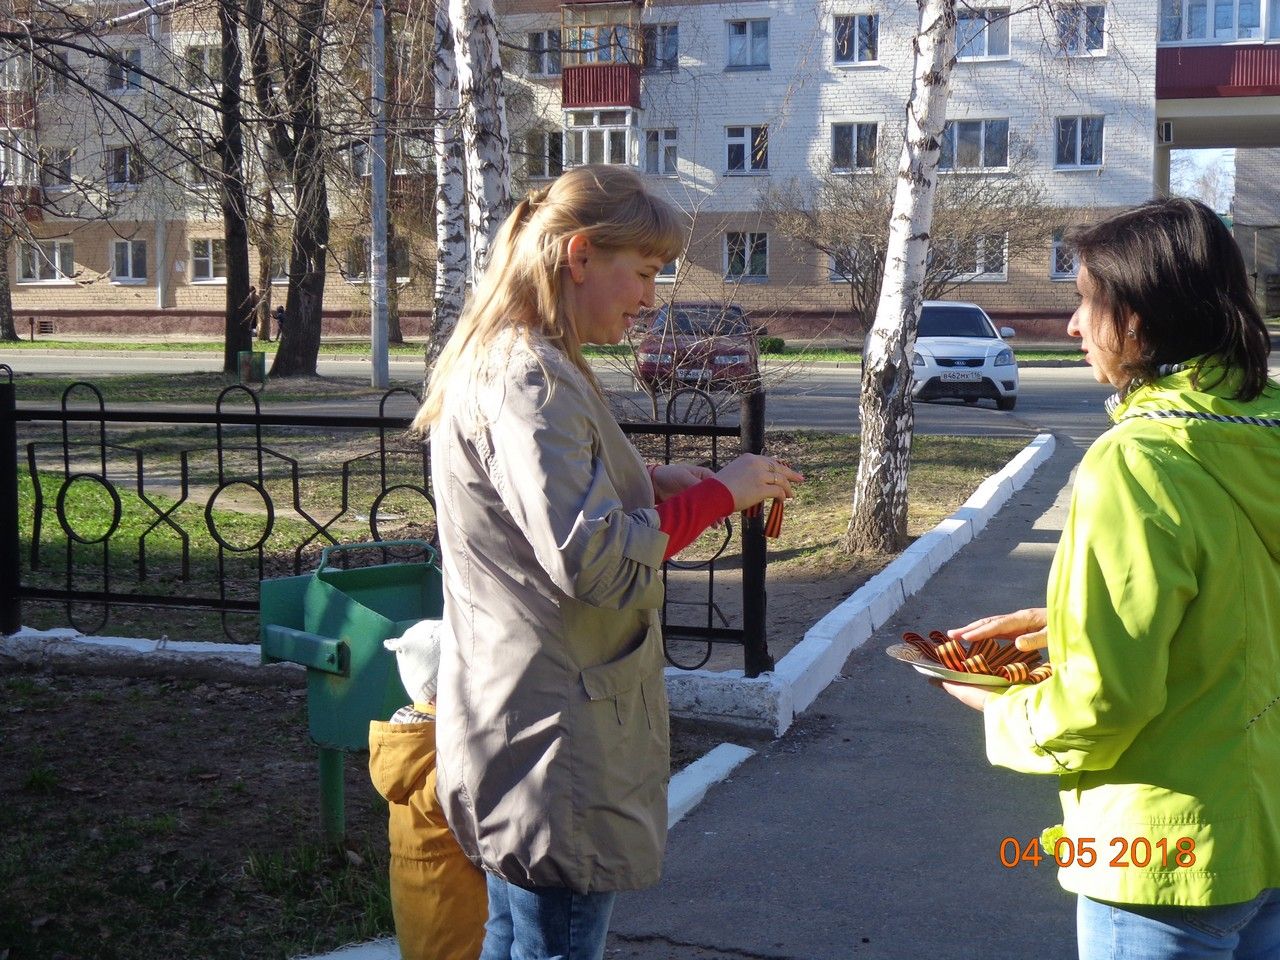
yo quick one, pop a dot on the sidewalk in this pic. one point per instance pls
(873, 829)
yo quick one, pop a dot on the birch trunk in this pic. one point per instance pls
(451, 197)
(879, 520)
(484, 123)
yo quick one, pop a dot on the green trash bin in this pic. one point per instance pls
(253, 366)
(333, 622)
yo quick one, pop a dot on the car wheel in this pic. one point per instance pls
(970, 400)
(1006, 403)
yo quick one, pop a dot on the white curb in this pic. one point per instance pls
(686, 791)
(773, 700)
(769, 702)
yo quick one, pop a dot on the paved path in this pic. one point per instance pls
(872, 830)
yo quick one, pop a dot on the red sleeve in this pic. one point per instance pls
(683, 517)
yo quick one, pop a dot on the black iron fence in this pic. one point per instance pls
(178, 509)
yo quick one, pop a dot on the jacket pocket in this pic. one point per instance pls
(621, 679)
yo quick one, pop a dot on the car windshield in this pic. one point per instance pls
(954, 322)
(701, 323)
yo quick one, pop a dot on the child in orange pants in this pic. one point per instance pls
(438, 896)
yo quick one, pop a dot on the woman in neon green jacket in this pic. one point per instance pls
(1162, 717)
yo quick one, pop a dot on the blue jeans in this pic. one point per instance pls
(1235, 931)
(544, 923)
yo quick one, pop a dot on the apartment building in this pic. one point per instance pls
(720, 102)
(109, 167)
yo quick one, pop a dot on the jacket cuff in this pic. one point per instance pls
(645, 542)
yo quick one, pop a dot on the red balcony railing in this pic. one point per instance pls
(1230, 70)
(600, 85)
(22, 201)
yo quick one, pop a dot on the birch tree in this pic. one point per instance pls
(484, 123)
(879, 520)
(450, 203)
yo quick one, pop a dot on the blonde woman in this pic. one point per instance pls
(552, 730)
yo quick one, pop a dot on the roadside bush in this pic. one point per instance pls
(772, 344)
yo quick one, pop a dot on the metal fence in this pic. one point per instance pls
(182, 510)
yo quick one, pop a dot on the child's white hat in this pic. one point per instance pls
(417, 653)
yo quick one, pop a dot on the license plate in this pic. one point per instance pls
(694, 375)
(960, 376)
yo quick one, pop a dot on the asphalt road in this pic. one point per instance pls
(1062, 400)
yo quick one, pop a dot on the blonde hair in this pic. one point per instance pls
(520, 289)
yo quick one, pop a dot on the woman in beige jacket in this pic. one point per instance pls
(552, 732)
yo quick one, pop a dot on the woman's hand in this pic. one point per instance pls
(671, 478)
(966, 693)
(1026, 628)
(752, 479)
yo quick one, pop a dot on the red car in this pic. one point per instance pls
(708, 345)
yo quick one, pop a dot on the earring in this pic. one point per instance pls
(1133, 332)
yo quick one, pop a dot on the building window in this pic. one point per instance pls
(1079, 142)
(853, 146)
(603, 43)
(361, 160)
(977, 258)
(1214, 20)
(544, 153)
(1082, 29)
(15, 163)
(839, 270)
(1063, 263)
(660, 152)
(544, 53)
(746, 149)
(54, 72)
(124, 167)
(128, 260)
(124, 73)
(858, 38)
(204, 67)
(46, 261)
(55, 167)
(13, 69)
(203, 166)
(982, 34)
(975, 145)
(748, 44)
(208, 261)
(746, 256)
(661, 46)
(669, 272)
(599, 136)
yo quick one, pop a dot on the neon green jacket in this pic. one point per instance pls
(1162, 717)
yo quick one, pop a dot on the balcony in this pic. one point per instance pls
(1226, 70)
(17, 201)
(600, 85)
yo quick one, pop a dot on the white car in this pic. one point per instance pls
(960, 355)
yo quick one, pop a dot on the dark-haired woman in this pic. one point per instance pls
(1162, 717)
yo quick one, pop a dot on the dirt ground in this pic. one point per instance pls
(158, 818)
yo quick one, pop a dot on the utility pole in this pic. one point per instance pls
(378, 201)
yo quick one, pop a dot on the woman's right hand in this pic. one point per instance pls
(753, 479)
(1026, 628)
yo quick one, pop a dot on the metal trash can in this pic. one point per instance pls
(253, 366)
(333, 622)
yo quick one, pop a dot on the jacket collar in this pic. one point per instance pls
(1169, 376)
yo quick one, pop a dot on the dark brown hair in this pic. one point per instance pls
(1174, 264)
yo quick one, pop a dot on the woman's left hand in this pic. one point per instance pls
(966, 693)
(671, 478)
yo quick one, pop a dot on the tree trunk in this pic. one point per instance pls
(8, 329)
(394, 333)
(235, 228)
(267, 253)
(451, 210)
(304, 305)
(484, 123)
(879, 520)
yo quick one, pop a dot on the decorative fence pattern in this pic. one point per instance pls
(187, 510)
